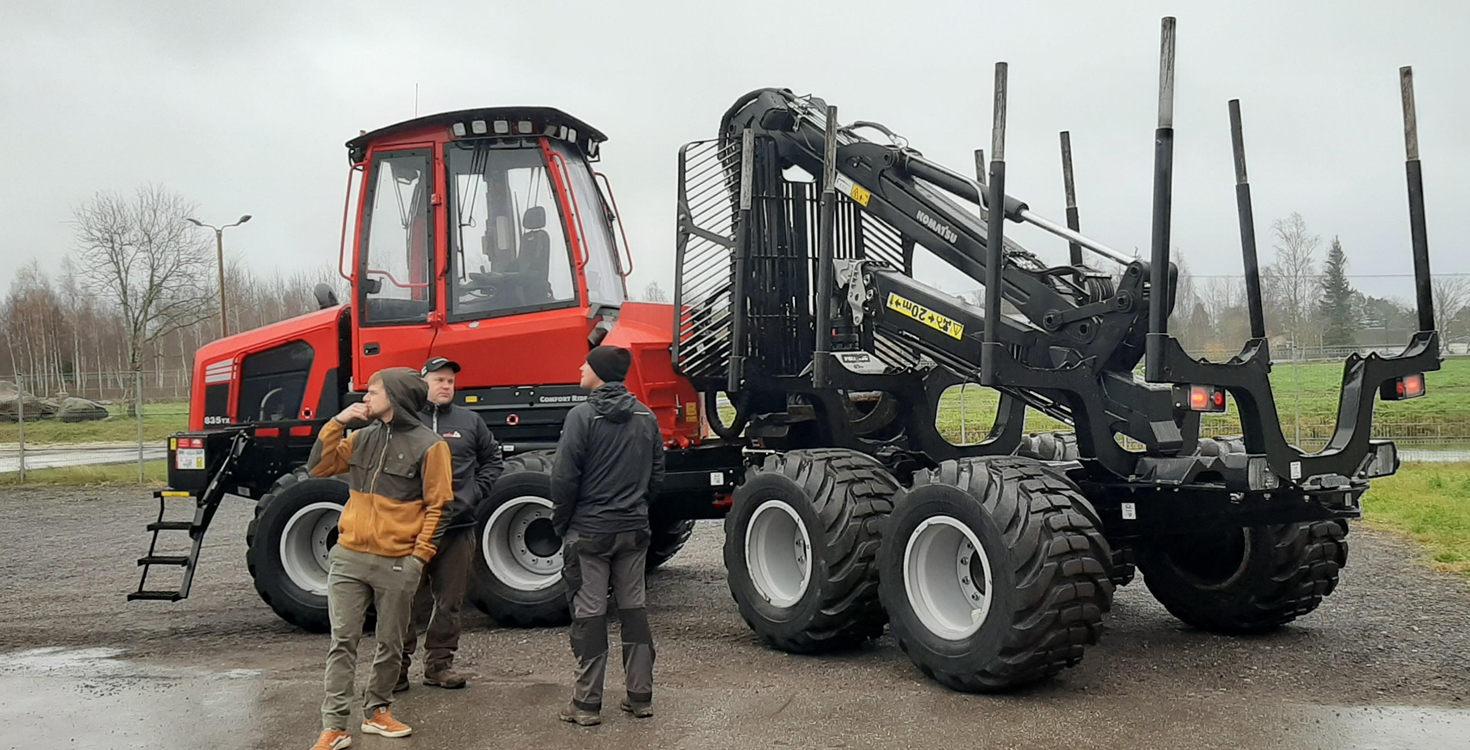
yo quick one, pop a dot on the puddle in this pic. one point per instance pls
(1391, 728)
(89, 699)
(95, 699)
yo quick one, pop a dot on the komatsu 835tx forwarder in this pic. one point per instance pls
(798, 377)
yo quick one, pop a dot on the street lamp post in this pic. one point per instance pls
(219, 248)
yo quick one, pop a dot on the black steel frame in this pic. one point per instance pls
(1069, 349)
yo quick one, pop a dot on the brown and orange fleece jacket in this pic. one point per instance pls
(399, 474)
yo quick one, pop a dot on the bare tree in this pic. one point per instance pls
(654, 293)
(1190, 319)
(143, 258)
(1224, 300)
(1451, 295)
(1292, 279)
(36, 329)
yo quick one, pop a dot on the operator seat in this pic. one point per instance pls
(535, 260)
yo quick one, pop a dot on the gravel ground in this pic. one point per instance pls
(1381, 664)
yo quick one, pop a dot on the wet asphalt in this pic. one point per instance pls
(52, 457)
(1385, 663)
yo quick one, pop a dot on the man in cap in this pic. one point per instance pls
(609, 465)
(399, 481)
(477, 464)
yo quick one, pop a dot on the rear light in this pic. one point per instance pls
(1403, 389)
(303, 430)
(1202, 398)
(265, 432)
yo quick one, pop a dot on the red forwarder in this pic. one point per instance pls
(847, 513)
(482, 236)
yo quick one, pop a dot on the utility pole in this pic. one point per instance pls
(219, 248)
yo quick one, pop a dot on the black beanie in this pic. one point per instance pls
(611, 363)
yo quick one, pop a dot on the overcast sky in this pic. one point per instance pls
(244, 107)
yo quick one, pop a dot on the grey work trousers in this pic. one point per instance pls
(590, 563)
(356, 580)
(437, 605)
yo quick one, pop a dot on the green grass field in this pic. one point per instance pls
(1429, 503)
(1440, 419)
(159, 421)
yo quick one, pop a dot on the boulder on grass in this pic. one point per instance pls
(81, 410)
(13, 398)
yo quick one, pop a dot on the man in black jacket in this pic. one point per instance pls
(609, 465)
(477, 464)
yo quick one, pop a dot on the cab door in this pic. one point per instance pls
(515, 314)
(396, 307)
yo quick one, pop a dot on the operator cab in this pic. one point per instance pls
(483, 236)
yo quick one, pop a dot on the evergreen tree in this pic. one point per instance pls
(1339, 313)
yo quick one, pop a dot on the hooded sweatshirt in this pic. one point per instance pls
(609, 465)
(400, 478)
(477, 459)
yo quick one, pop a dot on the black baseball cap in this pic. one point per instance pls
(438, 363)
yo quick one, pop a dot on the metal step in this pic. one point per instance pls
(163, 596)
(164, 560)
(171, 526)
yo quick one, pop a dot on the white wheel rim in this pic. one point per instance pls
(778, 554)
(306, 544)
(519, 546)
(940, 576)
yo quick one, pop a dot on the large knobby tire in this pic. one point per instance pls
(1062, 446)
(287, 542)
(1050, 446)
(1243, 581)
(1020, 610)
(668, 537)
(518, 569)
(801, 548)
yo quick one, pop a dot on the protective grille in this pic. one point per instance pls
(708, 175)
(780, 298)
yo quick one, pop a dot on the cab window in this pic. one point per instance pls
(396, 277)
(604, 277)
(508, 241)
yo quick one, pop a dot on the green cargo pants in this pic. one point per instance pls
(356, 580)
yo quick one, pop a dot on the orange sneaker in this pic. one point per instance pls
(383, 723)
(332, 740)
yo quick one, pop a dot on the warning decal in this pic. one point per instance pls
(946, 326)
(852, 189)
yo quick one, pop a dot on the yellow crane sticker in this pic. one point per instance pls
(946, 326)
(853, 190)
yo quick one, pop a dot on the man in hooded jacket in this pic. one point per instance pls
(400, 480)
(609, 465)
(477, 464)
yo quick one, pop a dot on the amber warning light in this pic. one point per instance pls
(1404, 388)
(1203, 398)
